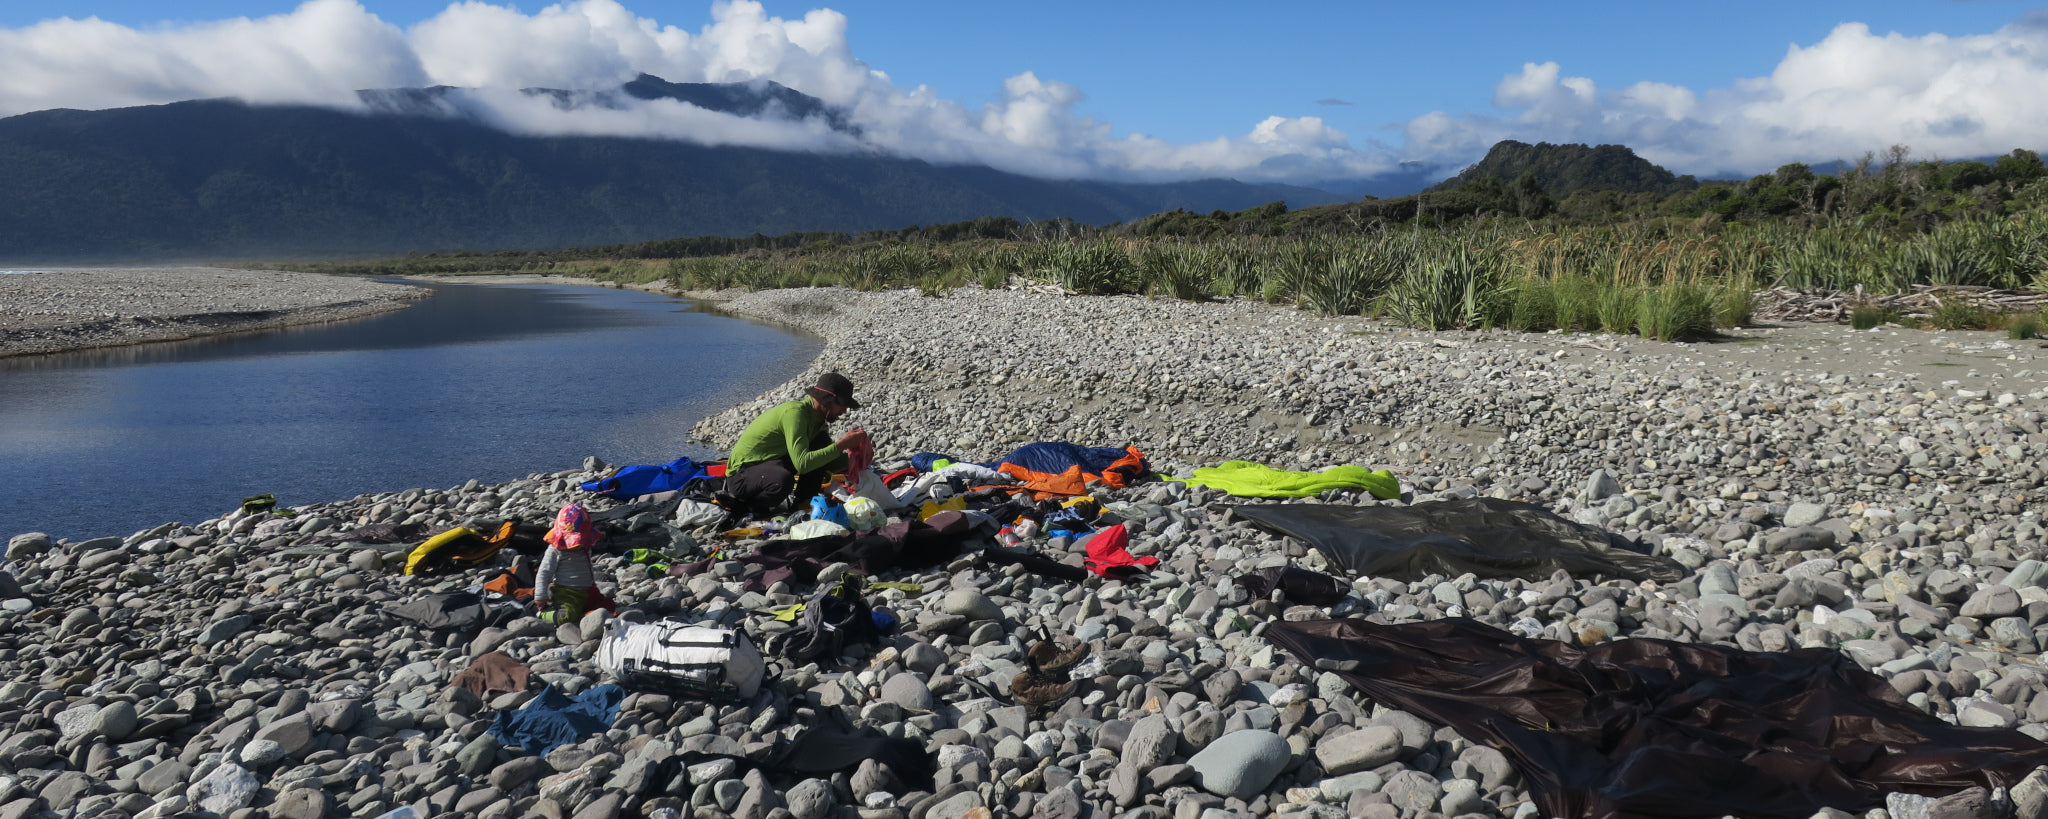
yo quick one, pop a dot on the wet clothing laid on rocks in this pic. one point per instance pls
(904, 544)
(1054, 469)
(451, 611)
(1298, 586)
(820, 753)
(1653, 728)
(1249, 480)
(1034, 563)
(1485, 536)
(554, 719)
(634, 481)
(374, 533)
(1109, 554)
(494, 671)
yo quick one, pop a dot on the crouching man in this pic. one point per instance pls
(783, 458)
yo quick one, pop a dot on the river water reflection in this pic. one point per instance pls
(491, 382)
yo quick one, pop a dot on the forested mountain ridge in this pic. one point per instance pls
(1562, 170)
(220, 178)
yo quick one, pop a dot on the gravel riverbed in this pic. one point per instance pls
(1874, 493)
(59, 310)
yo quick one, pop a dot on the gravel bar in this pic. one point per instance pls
(1872, 493)
(61, 310)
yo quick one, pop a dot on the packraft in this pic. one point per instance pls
(462, 547)
(679, 659)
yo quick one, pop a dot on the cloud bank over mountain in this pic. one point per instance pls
(1854, 91)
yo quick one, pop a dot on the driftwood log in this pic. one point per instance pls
(1820, 305)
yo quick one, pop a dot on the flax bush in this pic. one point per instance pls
(1097, 268)
(1448, 288)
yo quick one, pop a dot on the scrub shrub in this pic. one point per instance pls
(2023, 326)
(1865, 316)
(1960, 314)
(868, 270)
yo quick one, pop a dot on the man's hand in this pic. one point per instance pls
(852, 439)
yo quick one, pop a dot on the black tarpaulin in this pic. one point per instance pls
(449, 611)
(1485, 536)
(1653, 728)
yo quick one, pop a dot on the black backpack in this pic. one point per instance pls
(835, 618)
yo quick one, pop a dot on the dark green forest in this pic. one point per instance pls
(214, 179)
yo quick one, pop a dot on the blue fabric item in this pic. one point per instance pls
(634, 481)
(1071, 520)
(922, 461)
(824, 509)
(884, 621)
(1053, 457)
(552, 719)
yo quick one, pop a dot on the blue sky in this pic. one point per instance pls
(1161, 90)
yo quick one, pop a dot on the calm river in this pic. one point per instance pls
(492, 382)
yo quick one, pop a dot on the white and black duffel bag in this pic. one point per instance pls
(683, 660)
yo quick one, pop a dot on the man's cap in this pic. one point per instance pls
(836, 387)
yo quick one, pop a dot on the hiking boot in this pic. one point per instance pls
(1050, 656)
(1041, 689)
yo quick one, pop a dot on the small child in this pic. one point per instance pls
(565, 586)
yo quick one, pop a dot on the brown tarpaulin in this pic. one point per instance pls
(1652, 728)
(495, 671)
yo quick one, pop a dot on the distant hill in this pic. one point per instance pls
(1562, 170)
(219, 178)
(1408, 178)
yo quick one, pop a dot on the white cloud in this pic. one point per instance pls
(319, 53)
(1852, 92)
(323, 51)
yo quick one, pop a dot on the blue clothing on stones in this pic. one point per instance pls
(553, 719)
(925, 461)
(634, 481)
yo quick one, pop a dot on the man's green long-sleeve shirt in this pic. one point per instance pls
(793, 430)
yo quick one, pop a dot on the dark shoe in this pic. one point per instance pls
(1050, 656)
(1041, 689)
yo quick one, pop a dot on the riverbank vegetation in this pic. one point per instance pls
(1541, 250)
